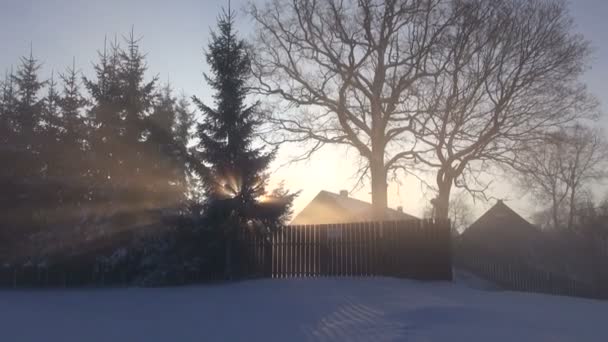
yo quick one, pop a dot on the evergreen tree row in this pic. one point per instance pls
(72, 148)
(75, 150)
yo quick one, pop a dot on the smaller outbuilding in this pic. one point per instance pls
(502, 236)
(502, 233)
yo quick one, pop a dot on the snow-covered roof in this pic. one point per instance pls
(329, 207)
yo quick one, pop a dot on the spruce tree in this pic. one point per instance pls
(137, 103)
(27, 120)
(4, 123)
(72, 140)
(72, 105)
(163, 152)
(185, 121)
(164, 115)
(236, 179)
(29, 106)
(7, 114)
(50, 136)
(7, 154)
(105, 125)
(51, 116)
(123, 105)
(53, 178)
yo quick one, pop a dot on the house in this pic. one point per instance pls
(501, 235)
(328, 207)
(501, 232)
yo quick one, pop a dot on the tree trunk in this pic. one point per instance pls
(379, 187)
(442, 202)
(555, 212)
(572, 207)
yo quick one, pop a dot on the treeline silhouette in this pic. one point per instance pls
(74, 148)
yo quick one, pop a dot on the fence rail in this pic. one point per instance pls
(408, 249)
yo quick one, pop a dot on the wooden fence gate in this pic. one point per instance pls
(408, 249)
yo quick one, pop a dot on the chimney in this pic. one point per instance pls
(400, 209)
(343, 193)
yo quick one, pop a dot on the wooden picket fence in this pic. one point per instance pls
(409, 249)
(518, 276)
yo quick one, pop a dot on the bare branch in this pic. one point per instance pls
(346, 72)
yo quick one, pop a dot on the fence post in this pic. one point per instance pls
(449, 249)
(267, 253)
(323, 251)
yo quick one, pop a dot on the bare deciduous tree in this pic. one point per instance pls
(452, 85)
(351, 66)
(561, 168)
(460, 213)
(510, 71)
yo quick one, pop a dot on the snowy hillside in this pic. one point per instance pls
(372, 309)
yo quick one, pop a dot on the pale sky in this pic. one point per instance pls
(174, 34)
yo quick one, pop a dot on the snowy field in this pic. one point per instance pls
(373, 309)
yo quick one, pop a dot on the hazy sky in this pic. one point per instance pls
(174, 34)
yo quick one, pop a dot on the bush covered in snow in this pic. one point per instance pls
(187, 252)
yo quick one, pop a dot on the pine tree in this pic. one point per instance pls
(185, 121)
(51, 111)
(27, 120)
(163, 152)
(72, 139)
(72, 104)
(164, 115)
(235, 184)
(137, 95)
(7, 153)
(7, 115)
(28, 106)
(122, 104)
(4, 122)
(137, 102)
(105, 124)
(25, 194)
(53, 177)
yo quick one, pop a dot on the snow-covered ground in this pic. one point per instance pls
(355, 309)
